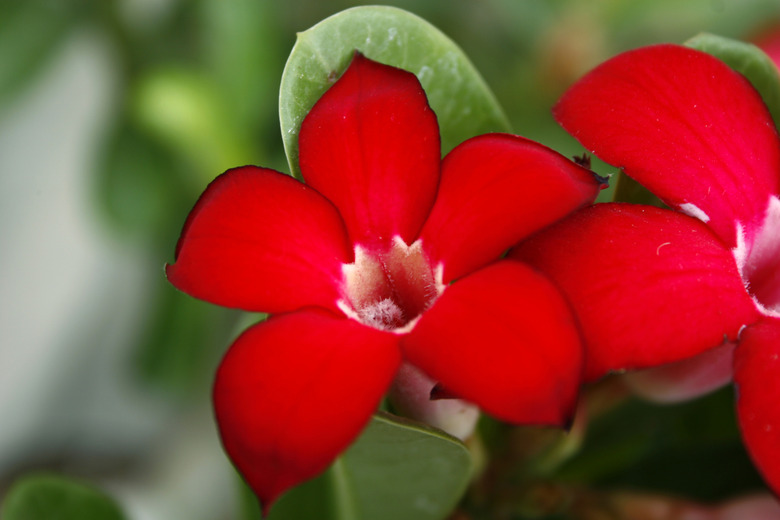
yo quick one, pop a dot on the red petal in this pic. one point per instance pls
(757, 378)
(293, 392)
(504, 339)
(371, 145)
(685, 125)
(261, 241)
(495, 190)
(650, 286)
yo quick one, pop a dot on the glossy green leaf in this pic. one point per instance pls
(748, 60)
(463, 103)
(52, 497)
(396, 469)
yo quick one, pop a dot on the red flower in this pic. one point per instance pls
(386, 254)
(664, 285)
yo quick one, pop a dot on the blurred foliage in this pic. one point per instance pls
(52, 497)
(618, 444)
(30, 34)
(179, 347)
(693, 449)
(197, 92)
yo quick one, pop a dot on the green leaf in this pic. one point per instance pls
(463, 103)
(396, 469)
(748, 60)
(52, 497)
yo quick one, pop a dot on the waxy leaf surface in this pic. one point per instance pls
(396, 469)
(464, 105)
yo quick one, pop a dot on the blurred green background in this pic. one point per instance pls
(114, 115)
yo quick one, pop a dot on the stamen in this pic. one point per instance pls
(384, 314)
(390, 289)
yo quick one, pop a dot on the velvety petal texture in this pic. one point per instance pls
(358, 287)
(371, 146)
(649, 285)
(261, 241)
(687, 127)
(495, 190)
(295, 391)
(757, 379)
(510, 343)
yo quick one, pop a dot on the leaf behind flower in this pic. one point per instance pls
(463, 103)
(396, 469)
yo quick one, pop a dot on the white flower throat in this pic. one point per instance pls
(390, 289)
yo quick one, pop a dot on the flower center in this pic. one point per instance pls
(389, 290)
(759, 263)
